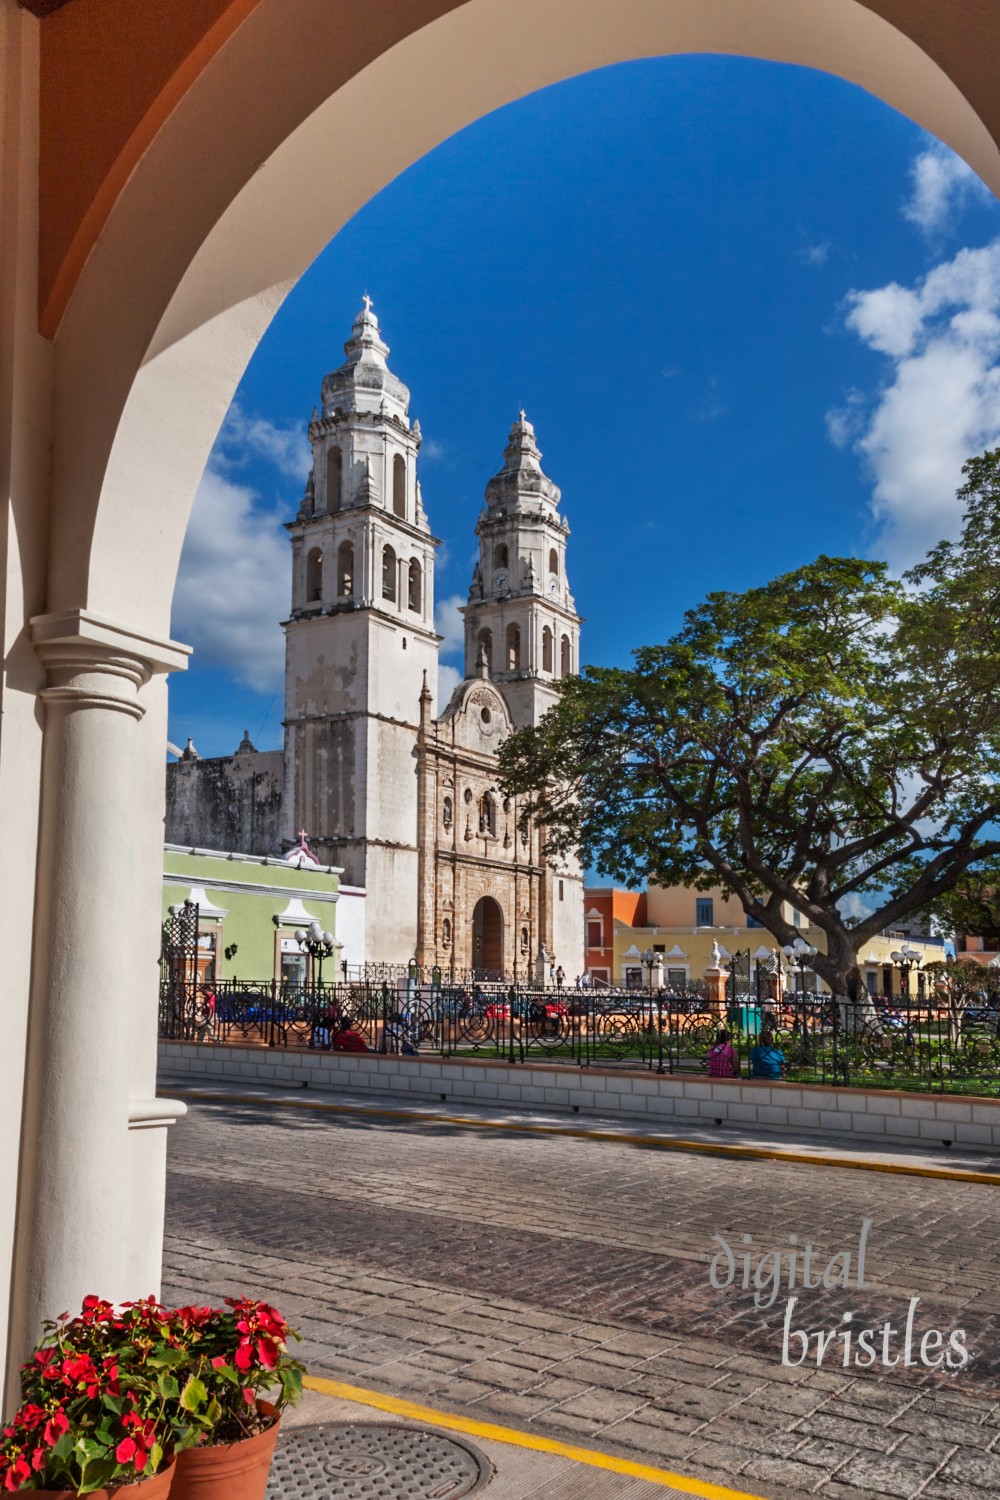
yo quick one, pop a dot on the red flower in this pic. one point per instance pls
(57, 1424)
(125, 1451)
(268, 1353)
(244, 1357)
(248, 1395)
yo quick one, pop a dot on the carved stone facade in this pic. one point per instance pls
(404, 803)
(485, 891)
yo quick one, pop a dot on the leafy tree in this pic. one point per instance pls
(829, 741)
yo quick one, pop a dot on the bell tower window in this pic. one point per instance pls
(399, 486)
(345, 571)
(389, 573)
(314, 576)
(554, 562)
(501, 556)
(413, 590)
(565, 657)
(513, 648)
(546, 650)
(334, 477)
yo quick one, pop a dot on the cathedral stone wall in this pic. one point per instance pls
(231, 803)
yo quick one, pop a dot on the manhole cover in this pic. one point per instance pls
(374, 1460)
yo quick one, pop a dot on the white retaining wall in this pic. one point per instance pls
(892, 1116)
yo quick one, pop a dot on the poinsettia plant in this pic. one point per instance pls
(92, 1415)
(242, 1358)
(110, 1394)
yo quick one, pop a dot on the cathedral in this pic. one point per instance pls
(402, 800)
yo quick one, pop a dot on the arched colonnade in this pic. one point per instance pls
(159, 195)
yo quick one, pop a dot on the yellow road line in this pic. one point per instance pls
(618, 1138)
(491, 1431)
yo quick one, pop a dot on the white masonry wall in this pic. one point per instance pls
(679, 1099)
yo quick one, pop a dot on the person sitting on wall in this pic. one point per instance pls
(347, 1039)
(766, 1058)
(723, 1061)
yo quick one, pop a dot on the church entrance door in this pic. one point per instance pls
(487, 939)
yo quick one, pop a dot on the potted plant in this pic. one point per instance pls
(144, 1397)
(238, 1378)
(93, 1417)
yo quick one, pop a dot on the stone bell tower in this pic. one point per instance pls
(523, 632)
(360, 639)
(520, 610)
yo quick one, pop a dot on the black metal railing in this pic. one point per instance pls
(810, 1039)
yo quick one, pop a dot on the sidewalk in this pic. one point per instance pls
(523, 1466)
(794, 1146)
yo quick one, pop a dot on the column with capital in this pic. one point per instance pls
(90, 1032)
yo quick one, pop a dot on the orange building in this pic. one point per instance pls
(603, 906)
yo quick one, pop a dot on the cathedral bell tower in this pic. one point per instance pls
(520, 613)
(360, 638)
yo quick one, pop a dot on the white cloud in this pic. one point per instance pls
(940, 401)
(233, 584)
(815, 254)
(450, 624)
(241, 436)
(942, 185)
(448, 680)
(432, 451)
(844, 424)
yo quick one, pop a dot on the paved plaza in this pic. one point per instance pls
(561, 1286)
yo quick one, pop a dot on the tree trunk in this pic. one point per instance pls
(855, 1007)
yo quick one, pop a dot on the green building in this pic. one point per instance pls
(249, 908)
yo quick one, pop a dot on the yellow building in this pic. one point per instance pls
(671, 937)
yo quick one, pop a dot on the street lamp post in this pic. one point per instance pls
(802, 954)
(317, 943)
(905, 959)
(649, 960)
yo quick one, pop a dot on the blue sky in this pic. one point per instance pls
(753, 313)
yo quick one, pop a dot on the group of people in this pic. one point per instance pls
(766, 1057)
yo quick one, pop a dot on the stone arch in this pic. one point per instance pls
(546, 649)
(414, 586)
(345, 570)
(565, 657)
(399, 486)
(334, 477)
(241, 235)
(513, 648)
(389, 571)
(161, 266)
(314, 575)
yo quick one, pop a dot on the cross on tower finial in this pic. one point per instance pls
(302, 836)
(368, 302)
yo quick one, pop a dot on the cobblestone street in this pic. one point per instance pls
(563, 1284)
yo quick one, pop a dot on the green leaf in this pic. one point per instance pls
(193, 1394)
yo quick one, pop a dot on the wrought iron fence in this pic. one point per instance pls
(810, 1039)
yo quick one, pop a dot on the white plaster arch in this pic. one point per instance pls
(229, 206)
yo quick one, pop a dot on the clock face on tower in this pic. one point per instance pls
(553, 586)
(501, 580)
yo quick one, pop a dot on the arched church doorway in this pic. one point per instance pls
(487, 938)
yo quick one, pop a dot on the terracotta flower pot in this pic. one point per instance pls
(227, 1471)
(156, 1487)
